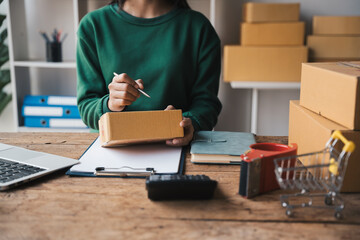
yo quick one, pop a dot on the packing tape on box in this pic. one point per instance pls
(349, 64)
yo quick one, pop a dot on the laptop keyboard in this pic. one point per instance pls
(10, 171)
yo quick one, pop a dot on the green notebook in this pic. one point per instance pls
(220, 147)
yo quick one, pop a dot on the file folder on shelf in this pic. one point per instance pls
(47, 122)
(53, 111)
(49, 100)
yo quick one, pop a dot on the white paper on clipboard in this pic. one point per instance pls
(164, 159)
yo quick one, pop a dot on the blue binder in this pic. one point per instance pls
(51, 111)
(47, 122)
(49, 100)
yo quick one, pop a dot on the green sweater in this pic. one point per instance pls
(177, 55)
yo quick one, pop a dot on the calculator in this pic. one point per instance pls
(169, 186)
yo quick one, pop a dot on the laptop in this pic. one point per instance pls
(19, 165)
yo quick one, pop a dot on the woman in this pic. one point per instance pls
(160, 46)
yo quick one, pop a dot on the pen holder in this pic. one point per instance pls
(53, 52)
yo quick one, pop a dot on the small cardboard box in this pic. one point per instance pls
(272, 34)
(333, 91)
(339, 47)
(341, 25)
(264, 64)
(121, 128)
(311, 131)
(271, 12)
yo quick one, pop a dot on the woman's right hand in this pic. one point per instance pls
(123, 91)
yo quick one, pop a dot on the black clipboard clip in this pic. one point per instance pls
(122, 172)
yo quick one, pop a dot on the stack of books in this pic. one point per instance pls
(218, 147)
(51, 112)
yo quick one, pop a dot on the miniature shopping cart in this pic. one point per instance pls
(317, 174)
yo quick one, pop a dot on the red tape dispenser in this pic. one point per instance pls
(257, 168)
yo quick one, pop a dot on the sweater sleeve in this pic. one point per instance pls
(92, 92)
(205, 105)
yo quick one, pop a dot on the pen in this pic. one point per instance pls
(144, 93)
(43, 34)
(64, 37)
(58, 36)
(54, 35)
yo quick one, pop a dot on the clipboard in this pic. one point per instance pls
(129, 161)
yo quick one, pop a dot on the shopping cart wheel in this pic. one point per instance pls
(288, 213)
(338, 215)
(284, 204)
(328, 200)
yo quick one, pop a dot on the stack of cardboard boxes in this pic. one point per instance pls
(335, 39)
(272, 45)
(329, 101)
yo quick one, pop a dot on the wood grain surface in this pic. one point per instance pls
(62, 207)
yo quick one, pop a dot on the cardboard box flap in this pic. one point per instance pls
(347, 68)
(321, 121)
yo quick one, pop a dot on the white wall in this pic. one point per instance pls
(236, 112)
(235, 115)
(273, 104)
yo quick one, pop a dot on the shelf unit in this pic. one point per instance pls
(255, 87)
(30, 73)
(41, 64)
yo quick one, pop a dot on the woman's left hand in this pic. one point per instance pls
(186, 123)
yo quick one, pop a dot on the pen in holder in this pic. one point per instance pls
(53, 52)
(53, 45)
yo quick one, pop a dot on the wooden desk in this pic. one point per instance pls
(63, 207)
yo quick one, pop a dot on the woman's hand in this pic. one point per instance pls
(186, 123)
(123, 91)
